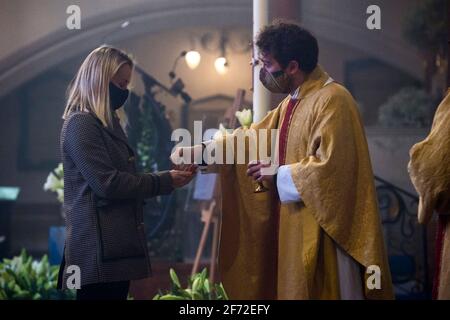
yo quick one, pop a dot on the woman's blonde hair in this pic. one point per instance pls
(89, 90)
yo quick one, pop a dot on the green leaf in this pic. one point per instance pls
(187, 293)
(174, 278)
(171, 297)
(197, 285)
(221, 290)
(207, 286)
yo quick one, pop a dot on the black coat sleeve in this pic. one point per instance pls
(84, 144)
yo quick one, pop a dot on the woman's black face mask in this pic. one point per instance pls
(117, 96)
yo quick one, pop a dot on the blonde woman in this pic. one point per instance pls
(103, 193)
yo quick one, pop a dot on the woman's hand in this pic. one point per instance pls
(181, 178)
(186, 167)
(186, 155)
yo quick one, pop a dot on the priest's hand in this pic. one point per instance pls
(254, 171)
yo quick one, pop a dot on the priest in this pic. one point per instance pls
(429, 169)
(316, 233)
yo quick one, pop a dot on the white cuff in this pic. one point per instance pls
(287, 190)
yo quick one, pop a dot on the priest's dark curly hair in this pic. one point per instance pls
(286, 41)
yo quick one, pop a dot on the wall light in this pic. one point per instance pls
(192, 59)
(221, 65)
(221, 43)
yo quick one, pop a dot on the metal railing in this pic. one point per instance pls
(406, 240)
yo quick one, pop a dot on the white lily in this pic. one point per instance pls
(60, 193)
(59, 170)
(245, 117)
(51, 183)
(55, 182)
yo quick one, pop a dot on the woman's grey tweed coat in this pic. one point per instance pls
(103, 202)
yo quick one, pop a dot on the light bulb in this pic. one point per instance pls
(221, 65)
(192, 59)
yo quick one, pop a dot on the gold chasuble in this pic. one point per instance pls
(270, 250)
(429, 169)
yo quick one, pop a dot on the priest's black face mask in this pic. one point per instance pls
(273, 76)
(276, 82)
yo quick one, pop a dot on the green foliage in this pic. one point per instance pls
(410, 107)
(21, 278)
(199, 288)
(425, 26)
